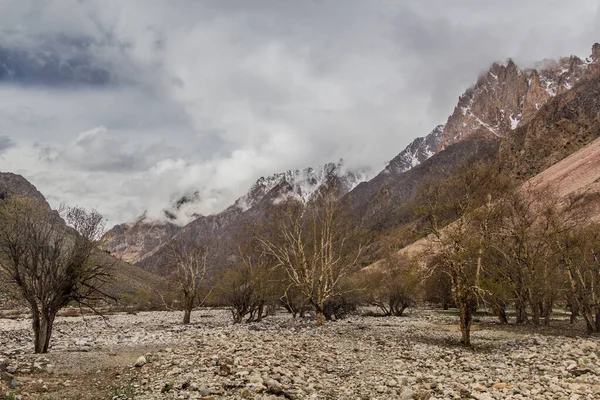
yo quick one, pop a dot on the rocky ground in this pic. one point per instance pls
(412, 357)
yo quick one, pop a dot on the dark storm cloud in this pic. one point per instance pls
(69, 63)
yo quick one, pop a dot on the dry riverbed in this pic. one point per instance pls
(412, 357)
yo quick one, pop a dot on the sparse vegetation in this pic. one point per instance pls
(51, 264)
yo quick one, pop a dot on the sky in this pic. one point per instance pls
(124, 106)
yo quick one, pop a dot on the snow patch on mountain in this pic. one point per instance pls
(303, 185)
(416, 152)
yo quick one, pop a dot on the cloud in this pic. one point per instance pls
(98, 150)
(5, 143)
(125, 107)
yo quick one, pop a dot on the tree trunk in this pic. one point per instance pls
(189, 305)
(502, 317)
(466, 318)
(535, 312)
(521, 310)
(260, 313)
(320, 314)
(573, 305)
(320, 318)
(42, 328)
(547, 311)
(400, 309)
(592, 320)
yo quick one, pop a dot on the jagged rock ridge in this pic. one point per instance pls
(416, 152)
(507, 96)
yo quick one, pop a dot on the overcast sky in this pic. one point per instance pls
(124, 105)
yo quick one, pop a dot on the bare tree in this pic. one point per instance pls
(237, 291)
(50, 262)
(526, 262)
(187, 262)
(312, 246)
(392, 285)
(578, 252)
(459, 214)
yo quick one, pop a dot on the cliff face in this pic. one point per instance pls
(507, 96)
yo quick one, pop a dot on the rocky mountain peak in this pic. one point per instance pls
(303, 184)
(507, 96)
(141, 240)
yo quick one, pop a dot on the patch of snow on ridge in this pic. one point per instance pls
(301, 184)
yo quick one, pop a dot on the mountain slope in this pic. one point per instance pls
(498, 105)
(15, 185)
(131, 242)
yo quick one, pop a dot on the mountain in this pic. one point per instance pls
(303, 185)
(501, 101)
(131, 242)
(528, 117)
(562, 126)
(558, 149)
(143, 241)
(575, 178)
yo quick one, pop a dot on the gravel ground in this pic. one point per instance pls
(412, 357)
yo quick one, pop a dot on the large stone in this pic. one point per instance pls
(140, 362)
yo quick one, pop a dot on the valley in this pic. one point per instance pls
(259, 247)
